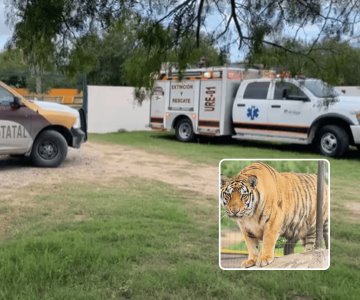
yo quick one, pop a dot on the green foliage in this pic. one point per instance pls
(231, 168)
(13, 69)
(158, 45)
(102, 58)
(16, 72)
(113, 46)
(35, 39)
(333, 61)
(80, 36)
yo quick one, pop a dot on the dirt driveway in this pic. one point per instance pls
(97, 162)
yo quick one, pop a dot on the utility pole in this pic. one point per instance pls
(319, 205)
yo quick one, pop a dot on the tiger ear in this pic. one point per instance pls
(224, 180)
(252, 181)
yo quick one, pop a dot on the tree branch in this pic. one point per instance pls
(201, 4)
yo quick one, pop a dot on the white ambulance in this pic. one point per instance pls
(256, 105)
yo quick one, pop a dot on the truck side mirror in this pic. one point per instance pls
(16, 103)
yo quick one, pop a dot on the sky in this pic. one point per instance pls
(5, 31)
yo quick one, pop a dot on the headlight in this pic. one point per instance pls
(77, 124)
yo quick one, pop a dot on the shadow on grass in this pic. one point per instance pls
(283, 147)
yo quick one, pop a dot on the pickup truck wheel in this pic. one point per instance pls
(49, 150)
(333, 141)
(184, 131)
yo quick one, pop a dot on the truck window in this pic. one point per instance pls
(256, 90)
(5, 97)
(292, 89)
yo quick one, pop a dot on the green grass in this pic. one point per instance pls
(211, 151)
(138, 239)
(344, 172)
(142, 240)
(231, 168)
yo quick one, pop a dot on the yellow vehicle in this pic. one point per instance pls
(41, 130)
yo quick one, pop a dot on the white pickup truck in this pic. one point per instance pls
(248, 105)
(40, 130)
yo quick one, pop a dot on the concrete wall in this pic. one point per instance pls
(113, 108)
(349, 90)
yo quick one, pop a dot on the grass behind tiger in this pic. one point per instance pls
(143, 239)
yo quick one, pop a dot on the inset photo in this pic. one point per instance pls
(274, 214)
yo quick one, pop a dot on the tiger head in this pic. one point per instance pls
(239, 195)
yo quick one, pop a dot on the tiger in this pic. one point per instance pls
(268, 204)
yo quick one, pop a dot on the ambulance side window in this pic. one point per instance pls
(285, 89)
(5, 97)
(257, 90)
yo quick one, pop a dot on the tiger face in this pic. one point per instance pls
(239, 196)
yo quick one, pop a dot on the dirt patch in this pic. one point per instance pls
(104, 162)
(317, 259)
(102, 165)
(353, 210)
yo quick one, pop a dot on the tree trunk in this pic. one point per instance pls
(38, 84)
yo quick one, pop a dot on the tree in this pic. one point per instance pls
(334, 61)
(157, 46)
(102, 57)
(249, 24)
(254, 23)
(13, 69)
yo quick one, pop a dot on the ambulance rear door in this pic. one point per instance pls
(159, 96)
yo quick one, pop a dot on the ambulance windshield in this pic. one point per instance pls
(320, 88)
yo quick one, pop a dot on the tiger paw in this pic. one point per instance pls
(248, 263)
(264, 260)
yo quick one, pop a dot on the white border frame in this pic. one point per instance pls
(219, 217)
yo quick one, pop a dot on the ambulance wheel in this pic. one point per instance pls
(49, 150)
(333, 141)
(184, 130)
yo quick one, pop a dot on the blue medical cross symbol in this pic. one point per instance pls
(252, 112)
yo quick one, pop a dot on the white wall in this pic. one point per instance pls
(349, 90)
(113, 108)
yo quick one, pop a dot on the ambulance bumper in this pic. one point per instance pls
(78, 137)
(355, 130)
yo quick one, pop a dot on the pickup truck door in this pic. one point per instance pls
(290, 110)
(15, 126)
(250, 110)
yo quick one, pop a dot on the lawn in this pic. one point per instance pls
(142, 239)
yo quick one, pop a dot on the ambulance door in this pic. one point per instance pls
(15, 126)
(209, 106)
(250, 110)
(157, 104)
(290, 111)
